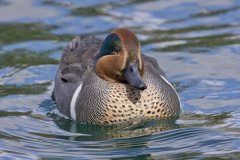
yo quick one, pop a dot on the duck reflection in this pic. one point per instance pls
(90, 132)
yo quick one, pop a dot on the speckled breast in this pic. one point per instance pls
(110, 103)
(125, 103)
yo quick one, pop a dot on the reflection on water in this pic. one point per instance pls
(196, 43)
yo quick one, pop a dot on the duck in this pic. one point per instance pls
(110, 81)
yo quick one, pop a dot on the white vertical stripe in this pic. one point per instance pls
(172, 88)
(73, 102)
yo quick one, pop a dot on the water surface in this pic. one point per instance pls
(196, 43)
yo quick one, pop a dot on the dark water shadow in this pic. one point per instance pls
(93, 132)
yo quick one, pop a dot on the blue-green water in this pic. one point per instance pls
(197, 43)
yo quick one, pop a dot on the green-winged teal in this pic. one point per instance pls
(111, 82)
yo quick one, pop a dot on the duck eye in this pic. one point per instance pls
(117, 49)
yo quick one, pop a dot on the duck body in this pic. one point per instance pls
(85, 93)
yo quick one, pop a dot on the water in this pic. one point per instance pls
(197, 44)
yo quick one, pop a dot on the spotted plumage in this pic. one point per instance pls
(111, 82)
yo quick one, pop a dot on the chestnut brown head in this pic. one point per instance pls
(120, 60)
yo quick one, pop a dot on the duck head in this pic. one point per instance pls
(120, 59)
